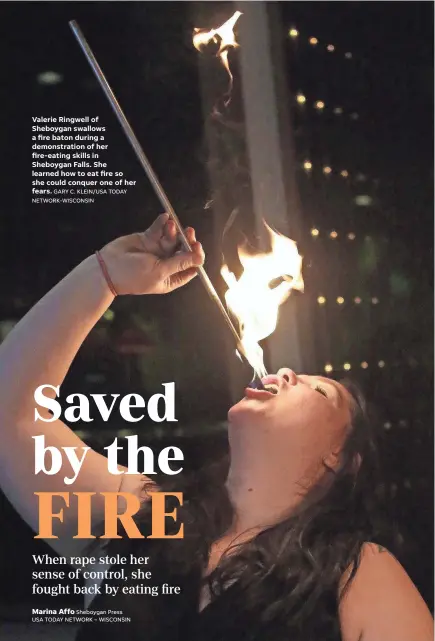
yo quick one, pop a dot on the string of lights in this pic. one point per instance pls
(294, 34)
(321, 107)
(359, 177)
(329, 368)
(374, 300)
(362, 200)
(315, 233)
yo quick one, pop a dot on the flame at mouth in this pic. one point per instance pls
(227, 39)
(265, 284)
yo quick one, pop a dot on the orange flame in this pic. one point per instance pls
(253, 298)
(227, 39)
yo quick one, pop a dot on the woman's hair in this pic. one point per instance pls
(292, 573)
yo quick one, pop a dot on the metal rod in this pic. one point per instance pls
(151, 174)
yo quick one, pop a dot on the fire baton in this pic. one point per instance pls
(153, 179)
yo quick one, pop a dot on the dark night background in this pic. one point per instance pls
(383, 138)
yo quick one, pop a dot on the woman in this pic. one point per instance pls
(275, 542)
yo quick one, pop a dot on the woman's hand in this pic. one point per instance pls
(146, 263)
(40, 349)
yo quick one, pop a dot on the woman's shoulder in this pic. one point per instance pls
(376, 561)
(382, 602)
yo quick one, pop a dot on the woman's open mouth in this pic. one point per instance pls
(271, 386)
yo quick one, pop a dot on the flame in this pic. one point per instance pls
(227, 39)
(265, 284)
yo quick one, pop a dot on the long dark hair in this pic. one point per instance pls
(295, 573)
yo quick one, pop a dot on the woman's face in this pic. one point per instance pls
(308, 412)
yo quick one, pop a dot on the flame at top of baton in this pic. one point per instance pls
(227, 39)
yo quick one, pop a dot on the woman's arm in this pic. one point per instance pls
(382, 603)
(40, 349)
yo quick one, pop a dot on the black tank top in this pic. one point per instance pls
(176, 617)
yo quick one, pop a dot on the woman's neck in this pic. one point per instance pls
(264, 485)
